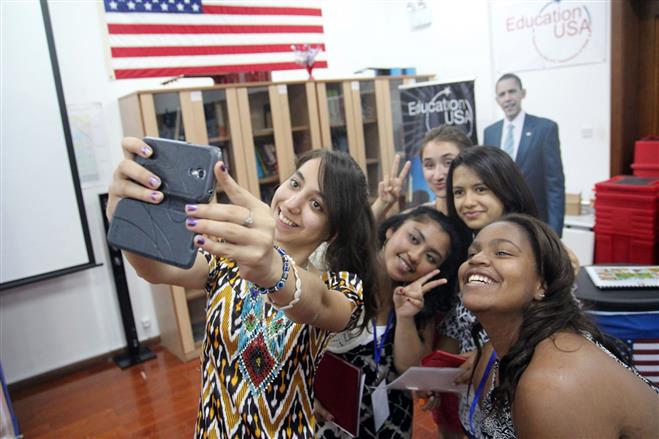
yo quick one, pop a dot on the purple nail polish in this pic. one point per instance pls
(154, 196)
(200, 240)
(190, 207)
(191, 222)
(145, 150)
(223, 168)
(154, 181)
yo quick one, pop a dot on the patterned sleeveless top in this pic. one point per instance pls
(493, 427)
(257, 366)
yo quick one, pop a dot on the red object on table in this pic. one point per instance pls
(627, 220)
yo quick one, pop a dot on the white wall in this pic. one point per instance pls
(62, 321)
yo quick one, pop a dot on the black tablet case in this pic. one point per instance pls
(158, 231)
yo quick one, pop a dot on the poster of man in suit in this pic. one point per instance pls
(533, 143)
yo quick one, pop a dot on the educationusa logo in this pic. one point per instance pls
(445, 107)
(560, 31)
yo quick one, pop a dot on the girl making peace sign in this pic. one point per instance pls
(415, 246)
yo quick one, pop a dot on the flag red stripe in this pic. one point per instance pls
(646, 363)
(646, 351)
(126, 52)
(649, 374)
(207, 70)
(211, 29)
(273, 10)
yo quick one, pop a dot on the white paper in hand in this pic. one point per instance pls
(429, 378)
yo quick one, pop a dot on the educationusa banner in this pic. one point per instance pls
(427, 105)
(546, 34)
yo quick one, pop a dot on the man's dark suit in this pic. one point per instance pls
(539, 160)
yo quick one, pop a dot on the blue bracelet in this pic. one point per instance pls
(256, 289)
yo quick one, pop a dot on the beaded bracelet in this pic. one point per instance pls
(298, 290)
(256, 289)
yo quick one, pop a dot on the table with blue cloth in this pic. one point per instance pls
(630, 314)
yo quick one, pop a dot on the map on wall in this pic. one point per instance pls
(547, 34)
(88, 135)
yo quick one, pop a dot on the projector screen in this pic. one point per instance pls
(43, 226)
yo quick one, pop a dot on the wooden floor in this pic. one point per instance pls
(156, 399)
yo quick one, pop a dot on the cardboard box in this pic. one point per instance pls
(573, 204)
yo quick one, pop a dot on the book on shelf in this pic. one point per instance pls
(270, 155)
(214, 117)
(334, 107)
(221, 127)
(368, 110)
(226, 157)
(266, 160)
(260, 166)
(624, 276)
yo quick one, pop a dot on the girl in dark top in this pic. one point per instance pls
(548, 371)
(416, 246)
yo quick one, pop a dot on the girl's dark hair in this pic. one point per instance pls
(557, 311)
(446, 133)
(443, 297)
(500, 174)
(352, 243)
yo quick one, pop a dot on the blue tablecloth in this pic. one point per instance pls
(627, 325)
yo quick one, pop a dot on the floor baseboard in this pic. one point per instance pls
(89, 363)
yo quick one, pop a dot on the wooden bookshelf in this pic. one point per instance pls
(353, 114)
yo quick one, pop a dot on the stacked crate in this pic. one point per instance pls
(627, 220)
(646, 157)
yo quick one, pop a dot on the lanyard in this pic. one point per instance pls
(378, 348)
(479, 390)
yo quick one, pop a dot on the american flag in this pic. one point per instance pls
(155, 38)
(646, 358)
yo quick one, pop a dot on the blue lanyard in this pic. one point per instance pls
(479, 390)
(378, 348)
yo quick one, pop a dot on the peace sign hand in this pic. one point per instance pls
(390, 187)
(246, 228)
(408, 300)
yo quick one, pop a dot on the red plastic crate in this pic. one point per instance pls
(645, 170)
(646, 151)
(642, 235)
(626, 221)
(614, 248)
(629, 184)
(648, 203)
